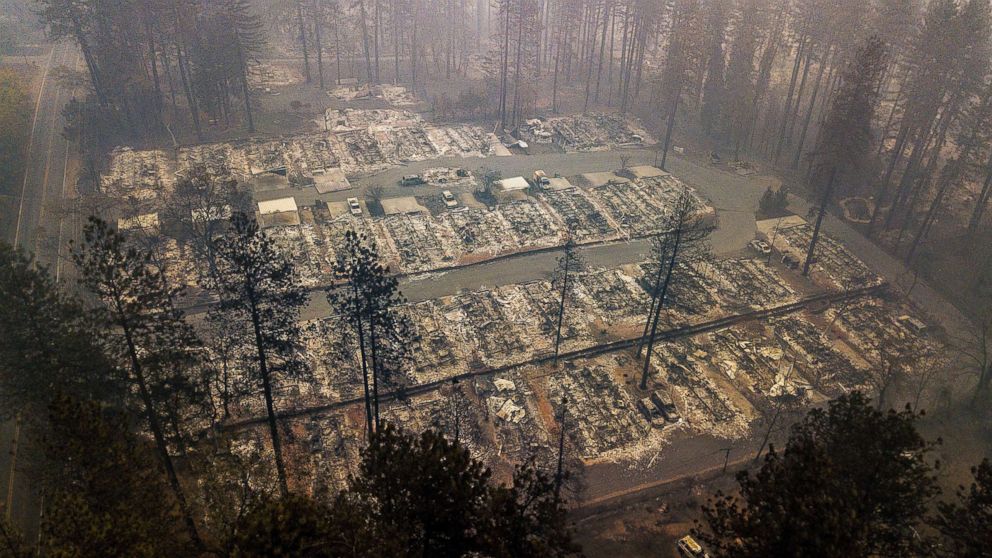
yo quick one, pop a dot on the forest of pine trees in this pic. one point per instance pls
(753, 79)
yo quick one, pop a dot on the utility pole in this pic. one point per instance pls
(559, 474)
(726, 459)
(768, 433)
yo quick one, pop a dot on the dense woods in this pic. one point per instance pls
(757, 78)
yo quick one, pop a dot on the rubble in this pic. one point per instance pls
(531, 223)
(218, 159)
(873, 328)
(481, 231)
(140, 175)
(617, 296)
(345, 120)
(519, 430)
(578, 213)
(827, 369)
(602, 411)
(416, 241)
(266, 75)
(481, 316)
(395, 95)
(356, 141)
(592, 132)
(447, 176)
(834, 265)
(750, 283)
(678, 371)
(717, 383)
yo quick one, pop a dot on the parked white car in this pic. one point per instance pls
(760, 246)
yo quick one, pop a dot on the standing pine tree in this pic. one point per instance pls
(714, 88)
(569, 263)
(683, 237)
(236, 39)
(145, 333)
(199, 206)
(846, 134)
(259, 288)
(966, 525)
(368, 304)
(105, 493)
(852, 481)
(53, 348)
(679, 59)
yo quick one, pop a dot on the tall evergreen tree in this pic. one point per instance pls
(851, 481)
(259, 288)
(714, 87)
(680, 58)
(415, 496)
(146, 334)
(683, 237)
(966, 524)
(569, 263)
(52, 351)
(199, 208)
(846, 132)
(107, 495)
(368, 301)
(740, 79)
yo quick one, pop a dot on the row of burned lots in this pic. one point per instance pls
(729, 384)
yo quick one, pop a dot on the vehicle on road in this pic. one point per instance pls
(354, 206)
(760, 246)
(412, 180)
(449, 198)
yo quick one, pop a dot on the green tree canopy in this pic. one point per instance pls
(109, 495)
(416, 496)
(852, 481)
(966, 525)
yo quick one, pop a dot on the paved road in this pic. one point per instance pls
(31, 217)
(35, 223)
(734, 197)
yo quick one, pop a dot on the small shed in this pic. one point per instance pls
(513, 184)
(281, 211)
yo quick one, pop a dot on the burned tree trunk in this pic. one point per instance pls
(303, 40)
